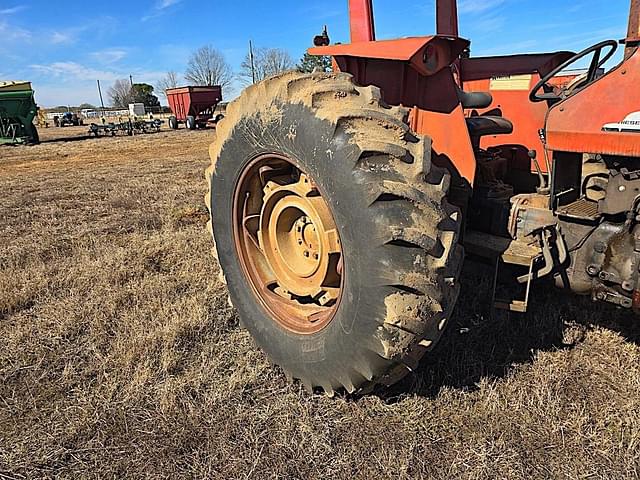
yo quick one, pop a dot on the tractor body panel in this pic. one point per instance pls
(633, 33)
(577, 123)
(361, 21)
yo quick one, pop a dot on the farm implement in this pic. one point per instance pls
(128, 127)
(344, 204)
(17, 111)
(194, 106)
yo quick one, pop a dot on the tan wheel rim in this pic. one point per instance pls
(288, 244)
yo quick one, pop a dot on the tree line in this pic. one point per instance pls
(207, 66)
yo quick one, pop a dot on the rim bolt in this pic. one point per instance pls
(316, 256)
(306, 253)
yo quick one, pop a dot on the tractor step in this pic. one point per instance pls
(514, 305)
(510, 251)
(581, 209)
(504, 251)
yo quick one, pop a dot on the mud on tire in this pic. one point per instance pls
(399, 234)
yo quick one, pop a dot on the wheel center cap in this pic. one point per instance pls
(298, 238)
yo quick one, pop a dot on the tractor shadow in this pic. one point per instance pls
(481, 345)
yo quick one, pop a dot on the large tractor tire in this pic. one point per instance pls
(332, 230)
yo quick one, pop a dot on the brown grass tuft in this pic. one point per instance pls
(119, 356)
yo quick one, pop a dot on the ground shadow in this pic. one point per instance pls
(68, 139)
(52, 140)
(480, 345)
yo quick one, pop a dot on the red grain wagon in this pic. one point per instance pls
(194, 106)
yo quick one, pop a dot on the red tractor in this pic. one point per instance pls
(343, 204)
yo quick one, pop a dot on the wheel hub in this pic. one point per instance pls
(298, 236)
(288, 244)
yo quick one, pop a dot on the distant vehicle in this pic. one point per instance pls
(17, 110)
(194, 106)
(68, 119)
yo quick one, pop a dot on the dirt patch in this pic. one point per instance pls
(119, 356)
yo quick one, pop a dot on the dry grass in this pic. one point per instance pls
(120, 358)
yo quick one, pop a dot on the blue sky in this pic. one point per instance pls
(63, 47)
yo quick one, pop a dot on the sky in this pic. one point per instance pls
(64, 47)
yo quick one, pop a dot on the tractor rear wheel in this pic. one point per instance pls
(332, 230)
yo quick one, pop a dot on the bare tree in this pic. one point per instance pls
(170, 80)
(267, 62)
(121, 93)
(207, 66)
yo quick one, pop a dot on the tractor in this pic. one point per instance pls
(68, 119)
(343, 204)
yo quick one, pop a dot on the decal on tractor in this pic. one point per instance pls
(630, 124)
(511, 83)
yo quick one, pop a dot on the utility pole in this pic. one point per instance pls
(132, 93)
(253, 67)
(101, 101)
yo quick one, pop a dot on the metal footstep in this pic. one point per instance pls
(519, 306)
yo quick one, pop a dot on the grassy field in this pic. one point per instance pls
(119, 356)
